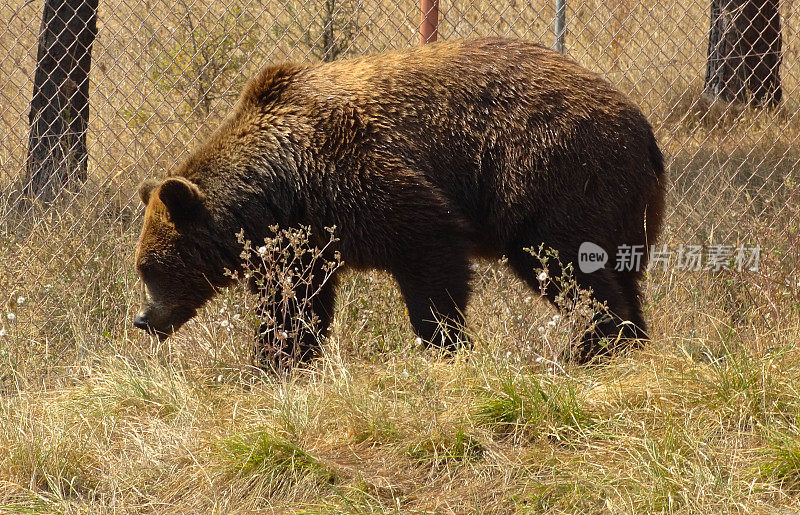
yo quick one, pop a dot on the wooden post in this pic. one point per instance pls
(429, 27)
(744, 52)
(59, 114)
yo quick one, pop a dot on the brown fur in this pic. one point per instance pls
(422, 159)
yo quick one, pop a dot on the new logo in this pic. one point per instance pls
(591, 257)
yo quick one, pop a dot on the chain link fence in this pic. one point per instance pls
(163, 73)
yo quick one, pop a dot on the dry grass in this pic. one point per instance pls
(705, 418)
(95, 417)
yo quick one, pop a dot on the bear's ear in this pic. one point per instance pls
(145, 189)
(183, 198)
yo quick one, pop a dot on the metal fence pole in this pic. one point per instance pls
(561, 22)
(429, 27)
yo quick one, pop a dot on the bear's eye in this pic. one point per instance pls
(146, 270)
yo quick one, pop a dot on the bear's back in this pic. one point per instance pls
(501, 126)
(507, 130)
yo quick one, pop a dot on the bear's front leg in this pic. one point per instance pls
(436, 290)
(427, 244)
(292, 325)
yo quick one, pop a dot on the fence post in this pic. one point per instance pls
(57, 154)
(561, 22)
(744, 52)
(429, 27)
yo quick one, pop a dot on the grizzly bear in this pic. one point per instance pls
(422, 159)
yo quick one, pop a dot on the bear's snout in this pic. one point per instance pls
(158, 320)
(150, 326)
(140, 322)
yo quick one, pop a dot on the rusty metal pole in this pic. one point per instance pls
(429, 27)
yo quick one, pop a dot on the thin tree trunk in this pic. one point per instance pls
(744, 52)
(57, 154)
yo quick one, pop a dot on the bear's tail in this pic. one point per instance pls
(656, 197)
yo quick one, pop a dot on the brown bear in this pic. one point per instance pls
(422, 159)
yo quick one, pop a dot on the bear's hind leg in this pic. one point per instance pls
(630, 280)
(610, 332)
(613, 330)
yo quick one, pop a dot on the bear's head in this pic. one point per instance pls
(241, 179)
(177, 258)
